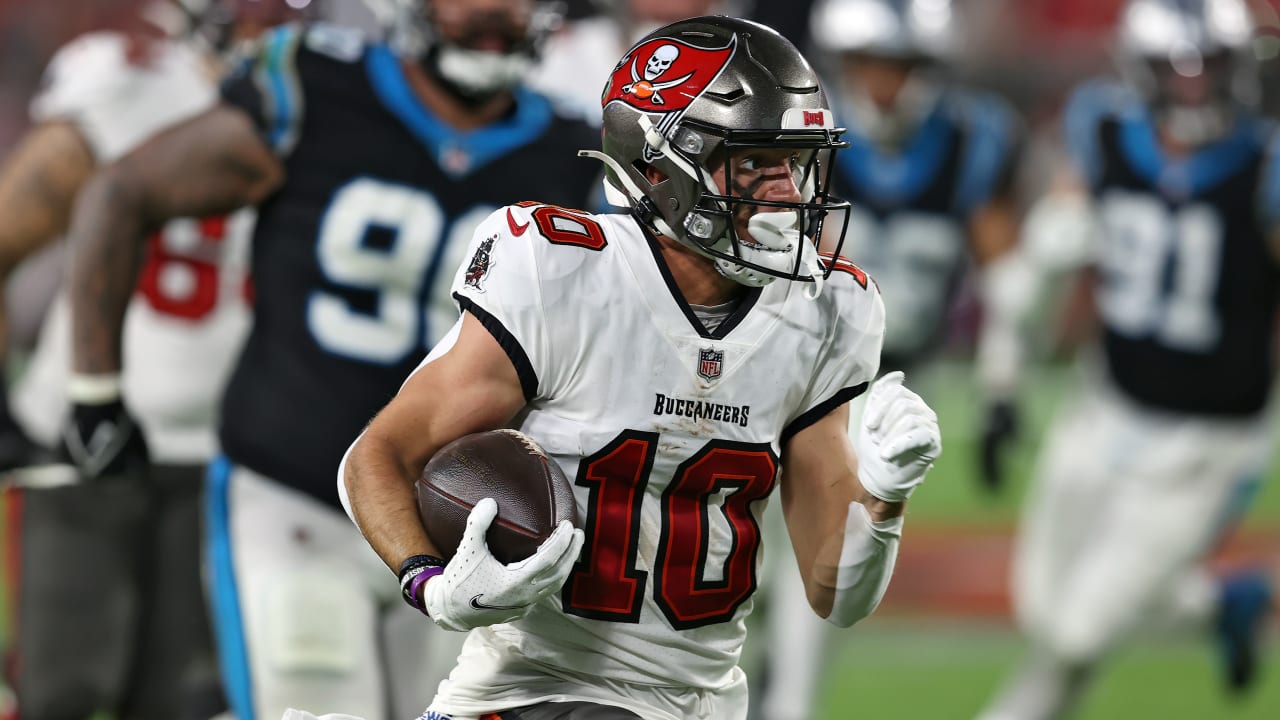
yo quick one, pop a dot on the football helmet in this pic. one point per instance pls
(916, 37)
(1192, 62)
(901, 29)
(212, 23)
(470, 73)
(709, 93)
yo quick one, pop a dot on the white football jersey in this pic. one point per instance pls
(671, 433)
(189, 315)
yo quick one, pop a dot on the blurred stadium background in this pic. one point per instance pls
(942, 641)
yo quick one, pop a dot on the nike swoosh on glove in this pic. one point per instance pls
(476, 589)
(898, 440)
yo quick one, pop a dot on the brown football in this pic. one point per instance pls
(531, 490)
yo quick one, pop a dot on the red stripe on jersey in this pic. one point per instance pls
(840, 263)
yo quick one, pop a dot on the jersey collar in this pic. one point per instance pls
(457, 152)
(735, 318)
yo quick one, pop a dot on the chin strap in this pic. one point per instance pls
(660, 144)
(632, 189)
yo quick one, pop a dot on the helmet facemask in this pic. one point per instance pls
(752, 240)
(1192, 64)
(472, 74)
(1194, 98)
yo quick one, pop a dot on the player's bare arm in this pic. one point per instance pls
(212, 164)
(820, 479)
(470, 388)
(38, 187)
(843, 506)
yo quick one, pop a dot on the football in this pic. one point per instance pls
(531, 490)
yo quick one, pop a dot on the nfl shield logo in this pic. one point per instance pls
(710, 363)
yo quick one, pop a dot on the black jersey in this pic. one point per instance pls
(1188, 289)
(909, 226)
(353, 256)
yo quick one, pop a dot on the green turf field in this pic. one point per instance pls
(909, 669)
(892, 667)
(952, 497)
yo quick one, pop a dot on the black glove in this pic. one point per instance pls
(104, 440)
(998, 434)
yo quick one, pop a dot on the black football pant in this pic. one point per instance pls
(110, 610)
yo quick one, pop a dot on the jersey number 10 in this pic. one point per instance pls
(606, 584)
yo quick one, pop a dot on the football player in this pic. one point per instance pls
(681, 362)
(141, 647)
(370, 165)
(1158, 451)
(929, 172)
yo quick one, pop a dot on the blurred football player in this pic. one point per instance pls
(1155, 456)
(370, 165)
(681, 362)
(929, 173)
(578, 58)
(142, 647)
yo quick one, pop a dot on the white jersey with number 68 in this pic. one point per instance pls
(189, 314)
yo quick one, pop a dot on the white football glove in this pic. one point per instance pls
(898, 440)
(476, 590)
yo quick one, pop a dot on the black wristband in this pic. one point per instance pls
(419, 561)
(413, 567)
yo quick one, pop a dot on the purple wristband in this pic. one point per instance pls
(414, 588)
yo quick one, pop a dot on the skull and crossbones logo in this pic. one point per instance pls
(648, 88)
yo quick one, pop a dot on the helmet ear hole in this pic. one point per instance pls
(655, 176)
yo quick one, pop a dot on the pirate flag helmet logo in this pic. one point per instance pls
(666, 74)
